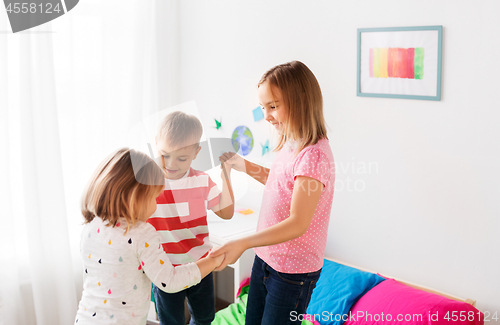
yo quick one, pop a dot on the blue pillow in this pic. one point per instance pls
(338, 288)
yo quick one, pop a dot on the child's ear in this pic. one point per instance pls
(197, 151)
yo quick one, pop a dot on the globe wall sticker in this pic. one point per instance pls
(25, 15)
(242, 139)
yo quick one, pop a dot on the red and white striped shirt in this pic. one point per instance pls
(181, 216)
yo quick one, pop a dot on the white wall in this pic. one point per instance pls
(428, 209)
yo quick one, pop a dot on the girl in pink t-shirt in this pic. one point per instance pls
(293, 224)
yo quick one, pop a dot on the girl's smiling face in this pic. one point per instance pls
(272, 104)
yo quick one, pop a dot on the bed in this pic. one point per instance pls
(349, 295)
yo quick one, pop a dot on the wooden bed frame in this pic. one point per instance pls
(410, 284)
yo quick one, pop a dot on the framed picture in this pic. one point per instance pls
(400, 62)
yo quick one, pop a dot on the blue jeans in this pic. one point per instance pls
(200, 299)
(276, 298)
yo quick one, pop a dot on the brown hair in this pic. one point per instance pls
(302, 96)
(120, 186)
(180, 129)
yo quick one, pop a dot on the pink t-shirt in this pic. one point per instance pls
(303, 254)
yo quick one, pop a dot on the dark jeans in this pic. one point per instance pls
(201, 304)
(276, 298)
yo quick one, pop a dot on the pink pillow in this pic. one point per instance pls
(391, 302)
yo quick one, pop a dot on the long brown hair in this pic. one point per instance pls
(302, 96)
(120, 186)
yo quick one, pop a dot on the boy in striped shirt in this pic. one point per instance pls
(181, 216)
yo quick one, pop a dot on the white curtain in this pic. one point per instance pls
(70, 92)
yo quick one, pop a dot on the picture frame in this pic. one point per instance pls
(400, 62)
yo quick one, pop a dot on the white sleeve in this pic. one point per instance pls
(158, 268)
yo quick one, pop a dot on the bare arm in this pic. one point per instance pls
(225, 208)
(257, 172)
(237, 162)
(305, 198)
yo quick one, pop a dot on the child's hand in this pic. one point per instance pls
(232, 160)
(231, 251)
(226, 171)
(219, 259)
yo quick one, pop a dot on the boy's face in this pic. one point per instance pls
(176, 161)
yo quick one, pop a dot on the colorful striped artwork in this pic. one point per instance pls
(397, 63)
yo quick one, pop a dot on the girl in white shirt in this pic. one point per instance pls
(121, 252)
